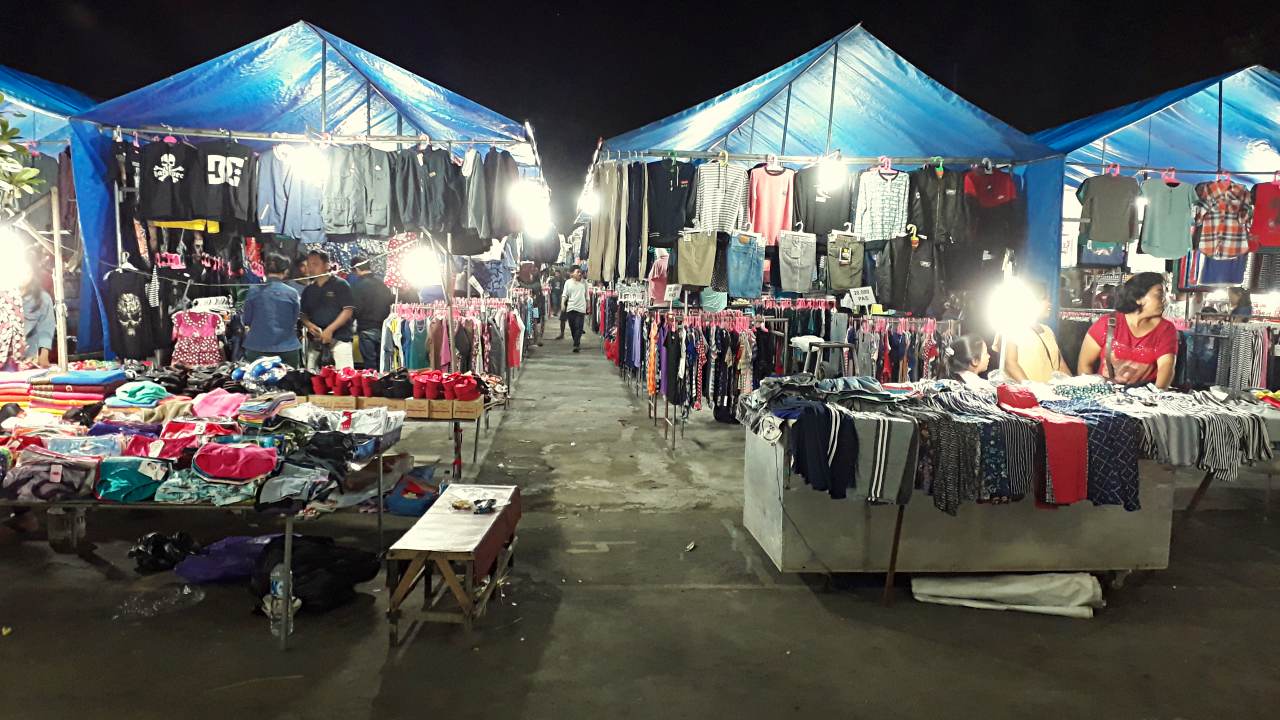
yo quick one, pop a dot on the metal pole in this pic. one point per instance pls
(751, 145)
(59, 289)
(368, 108)
(831, 106)
(324, 86)
(786, 120)
(119, 239)
(381, 546)
(286, 626)
(1219, 126)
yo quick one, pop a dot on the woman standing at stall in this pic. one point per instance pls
(1135, 344)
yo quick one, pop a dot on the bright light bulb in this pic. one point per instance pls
(1012, 307)
(309, 160)
(421, 267)
(532, 201)
(588, 202)
(831, 175)
(15, 272)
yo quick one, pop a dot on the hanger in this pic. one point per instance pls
(1112, 169)
(771, 162)
(1223, 178)
(886, 166)
(117, 135)
(1169, 175)
(987, 166)
(168, 139)
(723, 157)
(939, 170)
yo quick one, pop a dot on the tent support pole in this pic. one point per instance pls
(368, 108)
(800, 159)
(786, 120)
(831, 104)
(1219, 126)
(751, 146)
(116, 194)
(59, 289)
(324, 85)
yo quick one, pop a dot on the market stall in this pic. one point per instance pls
(1187, 184)
(297, 141)
(39, 110)
(850, 475)
(844, 180)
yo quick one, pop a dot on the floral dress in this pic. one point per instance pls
(196, 338)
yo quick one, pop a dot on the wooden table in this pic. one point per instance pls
(463, 547)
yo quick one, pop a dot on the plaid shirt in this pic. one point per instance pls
(1226, 210)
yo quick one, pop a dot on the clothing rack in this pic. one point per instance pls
(799, 159)
(1148, 168)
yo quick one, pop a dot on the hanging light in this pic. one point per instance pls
(531, 200)
(15, 271)
(421, 267)
(308, 160)
(588, 202)
(1012, 307)
(832, 173)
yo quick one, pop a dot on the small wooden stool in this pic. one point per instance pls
(463, 546)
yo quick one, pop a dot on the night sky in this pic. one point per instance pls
(580, 70)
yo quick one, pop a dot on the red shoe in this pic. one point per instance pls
(318, 385)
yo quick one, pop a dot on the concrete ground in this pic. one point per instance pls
(608, 615)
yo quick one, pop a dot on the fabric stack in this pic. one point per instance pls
(138, 394)
(15, 387)
(258, 411)
(75, 389)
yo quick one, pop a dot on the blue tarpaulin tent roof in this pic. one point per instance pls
(298, 80)
(856, 95)
(877, 103)
(1179, 129)
(46, 105)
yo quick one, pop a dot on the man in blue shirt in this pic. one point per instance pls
(271, 313)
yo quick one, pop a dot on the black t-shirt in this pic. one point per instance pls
(322, 304)
(822, 209)
(170, 179)
(228, 182)
(670, 201)
(133, 322)
(373, 301)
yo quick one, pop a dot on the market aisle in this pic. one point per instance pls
(577, 437)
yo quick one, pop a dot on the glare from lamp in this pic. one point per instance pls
(832, 173)
(308, 160)
(1141, 203)
(588, 203)
(533, 203)
(15, 272)
(1012, 307)
(421, 267)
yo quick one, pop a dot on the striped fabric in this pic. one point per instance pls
(721, 197)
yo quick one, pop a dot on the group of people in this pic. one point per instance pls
(333, 312)
(1135, 345)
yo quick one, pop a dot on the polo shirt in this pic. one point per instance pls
(271, 314)
(322, 304)
(373, 301)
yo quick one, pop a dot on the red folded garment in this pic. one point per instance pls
(464, 388)
(234, 462)
(166, 448)
(318, 386)
(429, 385)
(198, 428)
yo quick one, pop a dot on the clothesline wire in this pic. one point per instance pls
(369, 260)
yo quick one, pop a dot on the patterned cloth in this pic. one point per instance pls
(1226, 211)
(882, 205)
(13, 337)
(1115, 445)
(196, 338)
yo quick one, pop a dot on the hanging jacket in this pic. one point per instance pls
(501, 174)
(939, 208)
(476, 212)
(289, 198)
(357, 198)
(910, 275)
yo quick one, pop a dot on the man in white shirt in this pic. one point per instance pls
(573, 303)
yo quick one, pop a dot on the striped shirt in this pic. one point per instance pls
(721, 197)
(882, 205)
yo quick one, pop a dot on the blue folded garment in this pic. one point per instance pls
(119, 402)
(89, 377)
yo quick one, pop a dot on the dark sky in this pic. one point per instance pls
(579, 70)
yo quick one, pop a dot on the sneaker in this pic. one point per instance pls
(575, 349)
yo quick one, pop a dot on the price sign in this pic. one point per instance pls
(859, 297)
(672, 294)
(632, 292)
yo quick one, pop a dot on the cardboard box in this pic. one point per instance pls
(417, 409)
(333, 402)
(441, 409)
(375, 402)
(468, 409)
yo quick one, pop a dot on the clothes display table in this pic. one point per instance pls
(472, 552)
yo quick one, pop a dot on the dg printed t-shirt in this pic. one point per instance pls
(227, 183)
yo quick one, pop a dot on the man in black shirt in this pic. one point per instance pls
(327, 309)
(373, 304)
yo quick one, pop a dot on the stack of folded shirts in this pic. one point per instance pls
(78, 388)
(264, 407)
(138, 394)
(15, 387)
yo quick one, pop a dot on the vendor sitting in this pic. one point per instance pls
(1032, 353)
(37, 315)
(1135, 344)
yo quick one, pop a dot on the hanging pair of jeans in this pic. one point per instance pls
(746, 266)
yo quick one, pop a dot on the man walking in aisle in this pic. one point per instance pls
(573, 303)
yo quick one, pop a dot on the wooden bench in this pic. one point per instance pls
(471, 553)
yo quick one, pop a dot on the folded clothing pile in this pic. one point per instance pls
(259, 410)
(218, 403)
(435, 385)
(139, 394)
(41, 475)
(100, 446)
(234, 463)
(15, 387)
(78, 388)
(131, 479)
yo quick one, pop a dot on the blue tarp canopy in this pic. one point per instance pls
(1179, 129)
(870, 102)
(298, 80)
(46, 105)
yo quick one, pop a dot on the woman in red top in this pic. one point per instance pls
(1142, 346)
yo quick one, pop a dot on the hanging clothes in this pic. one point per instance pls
(1226, 214)
(771, 201)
